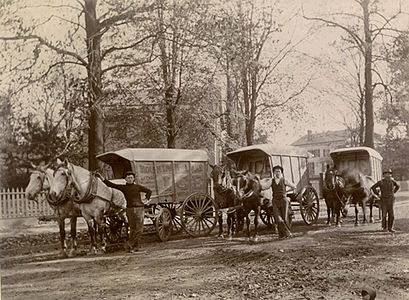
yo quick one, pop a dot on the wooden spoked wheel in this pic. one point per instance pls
(175, 210)
(290, 216)
(309, 206)
(163, 224)
(116, 229)
(266, 218)
(199, 214)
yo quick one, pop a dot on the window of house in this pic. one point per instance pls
(325, 152)
(315, 152)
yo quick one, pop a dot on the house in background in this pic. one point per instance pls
(321, 144)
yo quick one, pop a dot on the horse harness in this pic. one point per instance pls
(91, 192)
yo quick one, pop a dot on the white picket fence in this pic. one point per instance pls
(15, 205)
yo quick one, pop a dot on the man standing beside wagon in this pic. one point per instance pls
(135, 208)
(280, 201)
(388, 187)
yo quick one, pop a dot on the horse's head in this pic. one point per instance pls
(217, 174)
(330, 178)
(61, 180)
(38, 182)
(245, 182)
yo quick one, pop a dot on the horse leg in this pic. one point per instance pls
(248, 224)
(328, 211)
(229, 225)
(256, 214)
(332, 210)
(92, 234)
(61, 225)
(337, 209)
(371, 204)
(101, 225)
(356, 214)
(73, 223)
(220, 221)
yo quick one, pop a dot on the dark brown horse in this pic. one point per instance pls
(332, 193)
(358, 186)
(249, 190)
(225, 198)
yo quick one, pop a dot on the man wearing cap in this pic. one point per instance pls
(388, 187)
(280, 201)
(134, 208)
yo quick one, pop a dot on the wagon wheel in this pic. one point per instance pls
(163, 224)
(199, 214)
(290, 217)
(265, 218)
(176, 220)
(309, 206)
(116, 229)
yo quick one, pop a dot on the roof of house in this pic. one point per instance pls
(323, 137)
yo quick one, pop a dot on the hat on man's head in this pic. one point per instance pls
(129, 173)
(387, 171)
(278, 167)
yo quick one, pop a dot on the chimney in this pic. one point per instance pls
(309, 135)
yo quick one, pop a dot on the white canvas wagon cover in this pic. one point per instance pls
(153, 154)
(271, 149)
(171, 174)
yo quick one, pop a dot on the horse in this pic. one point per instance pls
(358, 185)
(333, 184)
(250, 195)
(225, 198)
(40, 182)
(96, 200)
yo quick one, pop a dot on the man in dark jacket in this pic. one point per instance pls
(388, 187)
(134, 208)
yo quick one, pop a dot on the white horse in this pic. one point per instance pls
(96, 200)
(40, 182)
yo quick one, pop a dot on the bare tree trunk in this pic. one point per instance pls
(95, 119)
(167, 81)
(369, 113)
(229, 100)
(361, 119)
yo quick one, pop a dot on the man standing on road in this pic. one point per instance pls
(388, 187)
(134, 208)
(281, 202)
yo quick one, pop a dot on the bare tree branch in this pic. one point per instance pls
(113, 48)
(47, 44)
(359, 42)
(125, 65)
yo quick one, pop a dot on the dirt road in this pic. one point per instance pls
(320, 262)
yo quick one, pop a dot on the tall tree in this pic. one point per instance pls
(110, 23)
(368, 26)
(186, 78)
(252, 48)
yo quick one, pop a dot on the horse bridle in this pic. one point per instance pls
(334, 184)
(67, 189)
(42, 179)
